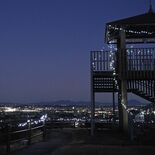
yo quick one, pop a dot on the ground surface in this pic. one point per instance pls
(79, 142)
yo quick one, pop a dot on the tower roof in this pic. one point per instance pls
(139, 29)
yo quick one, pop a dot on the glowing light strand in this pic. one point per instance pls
(131, 31)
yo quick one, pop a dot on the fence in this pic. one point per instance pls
(9, 138)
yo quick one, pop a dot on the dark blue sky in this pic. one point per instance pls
(45, 44)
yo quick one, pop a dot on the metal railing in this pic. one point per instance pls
(141, 59)
(138, 59)
(101, 60)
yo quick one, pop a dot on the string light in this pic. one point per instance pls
(130, 31)
(42, 119)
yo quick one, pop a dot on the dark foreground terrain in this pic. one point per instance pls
(79, 142)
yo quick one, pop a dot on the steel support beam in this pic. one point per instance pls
(122, 56)
(92, 113)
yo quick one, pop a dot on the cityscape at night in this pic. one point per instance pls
(74, 115)
(77, 77)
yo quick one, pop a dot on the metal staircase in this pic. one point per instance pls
(145, 89)
(141, 72)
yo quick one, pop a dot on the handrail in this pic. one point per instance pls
(143, 88)
(145, 85)
(138, 59)
(101, 60)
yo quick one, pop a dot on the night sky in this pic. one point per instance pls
(45, 44)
